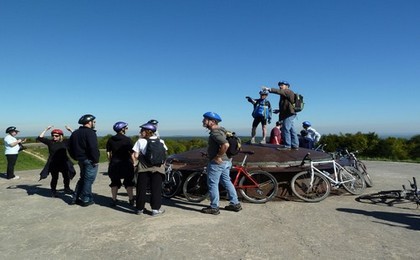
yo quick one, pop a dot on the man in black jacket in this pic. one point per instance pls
(83, 147)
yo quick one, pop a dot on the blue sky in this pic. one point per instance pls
(357, 63)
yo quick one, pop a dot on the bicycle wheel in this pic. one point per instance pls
(265, 191)
(383, 197)
(195, 187)
(363, 169)
(171, 186)
(353, 180)
(310, 189)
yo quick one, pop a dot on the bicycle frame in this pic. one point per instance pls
(242, 171)
(336, 166)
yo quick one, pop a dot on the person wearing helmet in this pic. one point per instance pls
(83, 147)
(261, 114)
(218, 167)
(148, 174)
(155, 123)
(11, 150)
(313, 136)
(118, 150)
(58, 161)
(287, 114)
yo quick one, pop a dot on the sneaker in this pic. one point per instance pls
(252, 141)
(295, 148)
(262, 141)
(131, 202)
(210, 210)
(234, 207)
(85, 204)
(15, 178)
(68, 190)
(139, 211)
(156, 212)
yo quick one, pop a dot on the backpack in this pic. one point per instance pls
(155, 153)
(261, 109)
(234, 143)
(299, 103)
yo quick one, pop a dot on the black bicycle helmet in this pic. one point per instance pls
(213, 116)
(86, 119)
(118, 126)
(153, 122)
(11, 129)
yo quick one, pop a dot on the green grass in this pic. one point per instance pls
(28, 162)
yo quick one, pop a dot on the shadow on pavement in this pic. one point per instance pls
(410, 221)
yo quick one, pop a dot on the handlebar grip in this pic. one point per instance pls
(304, 159)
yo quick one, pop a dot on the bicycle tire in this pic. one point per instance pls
(266, 190)
(388, 197)
(172, 187)
(357, 185)
(302, 188)
(363, 169)
(195, 187)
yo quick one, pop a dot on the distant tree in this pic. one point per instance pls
(414, 147)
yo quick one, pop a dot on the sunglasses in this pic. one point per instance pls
(55, 135)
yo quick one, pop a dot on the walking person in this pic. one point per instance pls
(275, 134)
(83, 147)
(58, 161)
(287, 114)
(218, 167)
(12, 146)
(148, 173)
(118, 150)
(261, 114)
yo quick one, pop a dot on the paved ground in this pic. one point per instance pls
(36, 226)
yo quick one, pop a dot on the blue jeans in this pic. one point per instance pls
(289, 132)
(88, 172)
(220, 173)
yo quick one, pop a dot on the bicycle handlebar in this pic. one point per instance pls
(305, 158)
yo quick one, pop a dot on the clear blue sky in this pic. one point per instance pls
(357, 63)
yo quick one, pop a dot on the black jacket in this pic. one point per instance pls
(83, 144)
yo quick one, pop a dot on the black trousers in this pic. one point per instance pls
(54, 179)
(11, 162)
(155, 181)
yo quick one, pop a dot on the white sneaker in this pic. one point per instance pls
(15, 178)
(252, 140)
(157, 212)
(262, 141)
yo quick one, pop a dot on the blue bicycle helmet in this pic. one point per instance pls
(86, 119)
(306, 123)
(283, 83)
(212, 116)
(148, 126)
(118, 126)
(263, 92)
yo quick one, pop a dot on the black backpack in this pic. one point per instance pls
(155, 152)
(234, 143)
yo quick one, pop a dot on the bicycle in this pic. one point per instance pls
(257, 187)
(314, 184)
(172, 182)
(349, 158)
(392, 197)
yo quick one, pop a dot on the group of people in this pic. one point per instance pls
(284, 132)
(128, 165)
(125, 159)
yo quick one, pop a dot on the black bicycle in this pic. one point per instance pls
(172, 183)
(393, 197)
